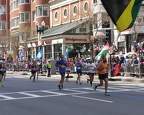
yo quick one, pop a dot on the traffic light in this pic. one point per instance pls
(108, 35)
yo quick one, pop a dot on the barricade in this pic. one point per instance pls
(131, 70)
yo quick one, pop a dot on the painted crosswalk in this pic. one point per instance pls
(75, 92)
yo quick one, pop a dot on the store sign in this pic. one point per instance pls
(76, 39)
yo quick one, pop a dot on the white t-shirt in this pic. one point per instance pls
(90, 67)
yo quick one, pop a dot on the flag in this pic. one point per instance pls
(39, 55)
(122, 12)
(105, 50)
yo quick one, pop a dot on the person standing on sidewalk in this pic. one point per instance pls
(78, 70)
(49, 66)
(62, 69)
(91, 67)
(102, 68)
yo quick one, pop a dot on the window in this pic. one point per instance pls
(105, 20)
(14, 5)
(95, 22)
(14, 22)
(2, 25)
(25, 17)
(41, 11)
(34, 15)
(24, 1)
(75, 10)
(94, 1)
(45, 10)
(2, 10)
(65, 13)
(86, 7)
(56, 16)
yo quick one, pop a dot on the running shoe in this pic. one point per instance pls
(107, 94)
(80, 83)
(95, 87)
(2, 84)
(59, 87)
(76, 82)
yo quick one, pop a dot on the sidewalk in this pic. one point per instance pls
(85, 77)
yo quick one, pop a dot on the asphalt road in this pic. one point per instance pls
(21, 96)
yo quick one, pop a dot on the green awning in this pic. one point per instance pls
(61, 29)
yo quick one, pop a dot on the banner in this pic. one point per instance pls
(39, 55)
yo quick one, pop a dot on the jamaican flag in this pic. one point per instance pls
(122, 12)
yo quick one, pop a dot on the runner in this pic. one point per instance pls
(78, 70)
(4, 70)
(62, 69)
(102, 68)
(34, 69)
(91, 67)
(1, 74)
(68, 68)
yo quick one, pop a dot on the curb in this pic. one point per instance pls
(127, 79)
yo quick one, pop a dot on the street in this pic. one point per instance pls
(21, 96)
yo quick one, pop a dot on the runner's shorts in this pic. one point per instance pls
(91, 74)
(103, 76)
(62, 74)
(79, 71)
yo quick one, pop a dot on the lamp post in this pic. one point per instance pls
(40, 30)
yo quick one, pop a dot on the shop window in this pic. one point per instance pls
(2, 9)
(57, 50)
(3, 25)
(48, 51)
(25, 17)
(41, 11)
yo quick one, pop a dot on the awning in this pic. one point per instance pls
(61, 29)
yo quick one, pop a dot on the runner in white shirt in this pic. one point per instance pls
(91, 67)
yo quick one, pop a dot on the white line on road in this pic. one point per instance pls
(6, 97)
(56, 93)
(28, 94)
(107, 101)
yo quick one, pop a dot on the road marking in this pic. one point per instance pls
(29, 94)
(6, 97)
(107, 101)
(56, 93)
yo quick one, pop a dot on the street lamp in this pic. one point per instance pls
(40, 30)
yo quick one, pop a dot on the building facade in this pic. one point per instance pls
(17, 21)
(69, 27)
(4, 26)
